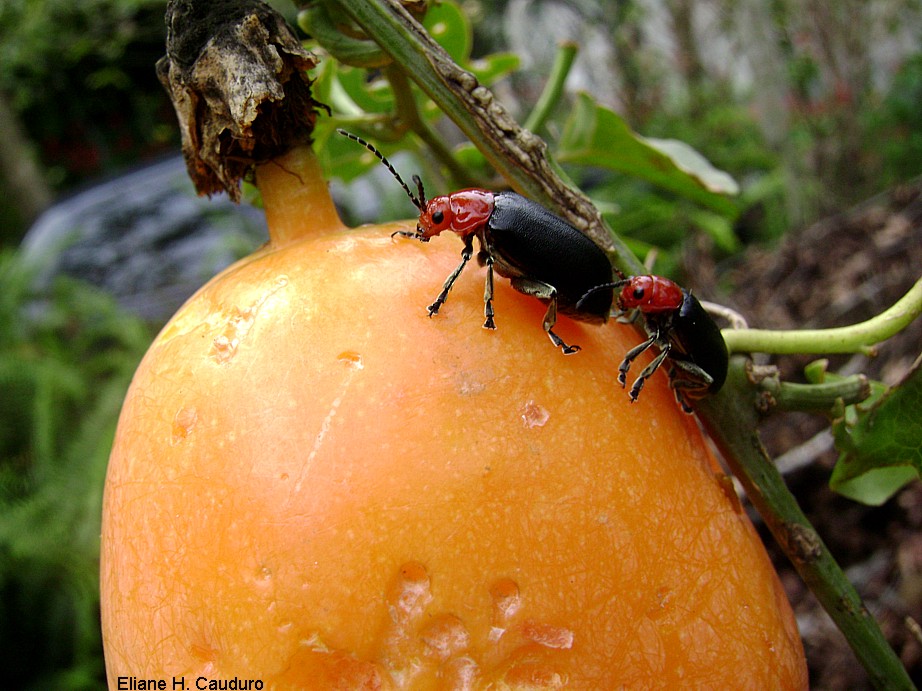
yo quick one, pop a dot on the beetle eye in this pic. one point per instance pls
(438, 217)
(638, 293)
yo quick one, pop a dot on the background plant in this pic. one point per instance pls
(66, 357)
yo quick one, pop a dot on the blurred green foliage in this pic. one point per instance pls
(81, 77)
(67, 355)
(895, 125)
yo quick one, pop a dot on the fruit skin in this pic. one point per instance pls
(316, 485)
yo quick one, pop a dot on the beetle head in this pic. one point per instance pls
(650, 294)
(435, 217)
(463, 212)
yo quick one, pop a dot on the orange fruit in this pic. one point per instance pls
(315, 485)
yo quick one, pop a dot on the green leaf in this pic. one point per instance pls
(370, 95)
(876, 486)
(690, 161)
(719, 227)
(594, 135)
(491, 68)
(450, 28)
(881, 445)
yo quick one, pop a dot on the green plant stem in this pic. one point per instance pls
(818, 397)
(550, 96)
(409, 116)
(844, 339)
(730, 416)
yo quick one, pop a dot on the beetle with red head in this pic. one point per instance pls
(541, 254)
(681, 330)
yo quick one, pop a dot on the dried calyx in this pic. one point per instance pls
(237, 76)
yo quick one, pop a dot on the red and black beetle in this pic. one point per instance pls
(541, 254)
(688, 340)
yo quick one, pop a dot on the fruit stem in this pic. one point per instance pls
(296, 197)
(820, 397)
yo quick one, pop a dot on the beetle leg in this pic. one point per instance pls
(694, 385)
(488, 295)
(682, 399)
(466, 255)
(631, 355)
(409, 234)
(545, 291)
(626, 316)
(550, 318)
(697, 379)
(648, 371)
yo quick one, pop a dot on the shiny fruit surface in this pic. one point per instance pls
(315, 485)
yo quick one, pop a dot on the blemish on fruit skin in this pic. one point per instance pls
(225, 345)
(459, 673)
(223, 348)
(183, 423)
(410, 594)
(471, 383)
(445, 637)
(506, 601)
(534, 415)
(205, 653)
(351, 359)
(548, 635)
(663, 604)
(407, 599)
(419, 646)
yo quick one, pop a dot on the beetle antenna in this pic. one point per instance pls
(604, 286)
(420, 201)
(422, 193)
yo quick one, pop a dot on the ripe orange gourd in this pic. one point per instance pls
(315, 485)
